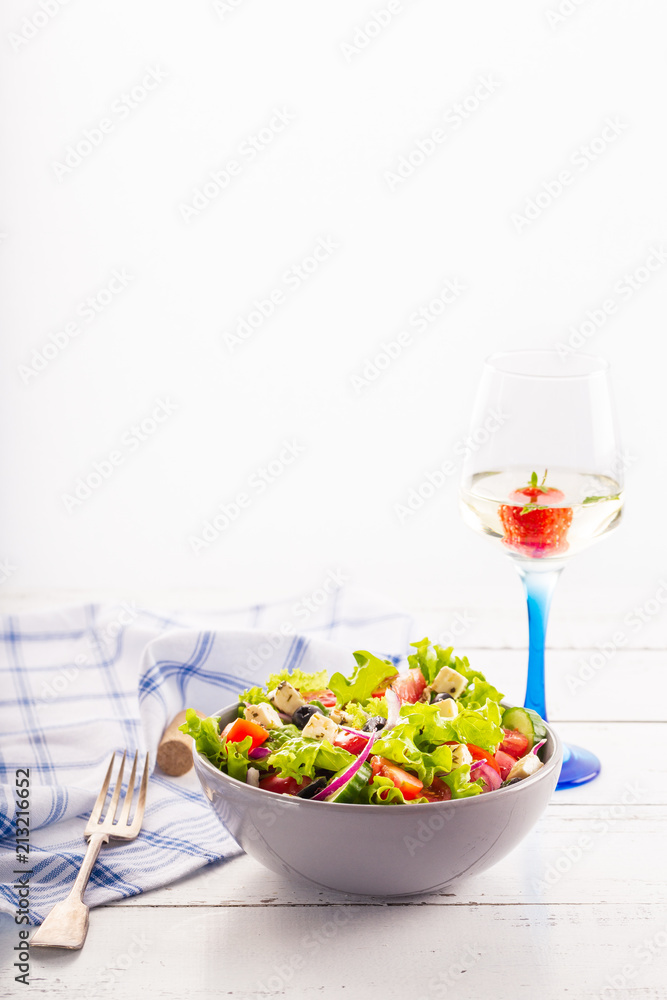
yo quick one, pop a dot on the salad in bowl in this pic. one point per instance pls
(436, 733)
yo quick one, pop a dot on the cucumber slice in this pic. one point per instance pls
(538, 725)
(350, 791)
(519, 720)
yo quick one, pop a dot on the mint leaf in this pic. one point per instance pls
(589, 500)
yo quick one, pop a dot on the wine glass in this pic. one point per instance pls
(542, 478)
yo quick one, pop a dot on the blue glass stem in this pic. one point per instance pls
(539, 586)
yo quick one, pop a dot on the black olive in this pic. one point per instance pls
(303, 713)
(442, 697)
(374, 724)
(313, 788)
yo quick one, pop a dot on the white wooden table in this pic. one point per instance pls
(578, 910)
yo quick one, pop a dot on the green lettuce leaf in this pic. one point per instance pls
(475, 726)
(431, 658)
(376, 706)
(358, 716)
(300, 756)
(281, 735)
(237, 758)
(253, 696)
(459, 782)
(415, 742)
(392, 795)
(226, 756)
(368, 675)
(205, 734)
(300, 680)
(478, 691)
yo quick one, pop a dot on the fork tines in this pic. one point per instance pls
(123, 827)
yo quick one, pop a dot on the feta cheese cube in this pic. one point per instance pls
(461, 755)
(286, 698)
(449, 681)
(264, 715)
(525, 767)
(448, 708)
(320, 727)
(338, 715)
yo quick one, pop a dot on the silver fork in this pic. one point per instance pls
(66, 925)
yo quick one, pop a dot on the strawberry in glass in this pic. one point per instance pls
(534, 524)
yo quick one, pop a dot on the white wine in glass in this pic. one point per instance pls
(545, 485)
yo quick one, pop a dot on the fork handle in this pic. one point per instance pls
(66, 925)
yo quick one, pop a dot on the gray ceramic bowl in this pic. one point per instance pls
(379, 850)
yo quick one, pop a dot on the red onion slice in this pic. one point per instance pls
(338, 783)
(488, 773)
(538, 746)
(259, 753)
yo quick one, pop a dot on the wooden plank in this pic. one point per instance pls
(614, 685)
(484, 618)
(632, 758)
(572, 856)
(516, 951)
(636, 616)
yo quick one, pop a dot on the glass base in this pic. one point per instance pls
(579, 766)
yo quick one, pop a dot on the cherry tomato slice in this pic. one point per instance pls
(505, 763)
(327, 697)
(514, 743)
(409, 687)
(283, 786)
(350, 742)
(479, 754)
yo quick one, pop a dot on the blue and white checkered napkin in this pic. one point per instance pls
(78, 683)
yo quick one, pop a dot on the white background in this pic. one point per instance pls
(355, 111)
